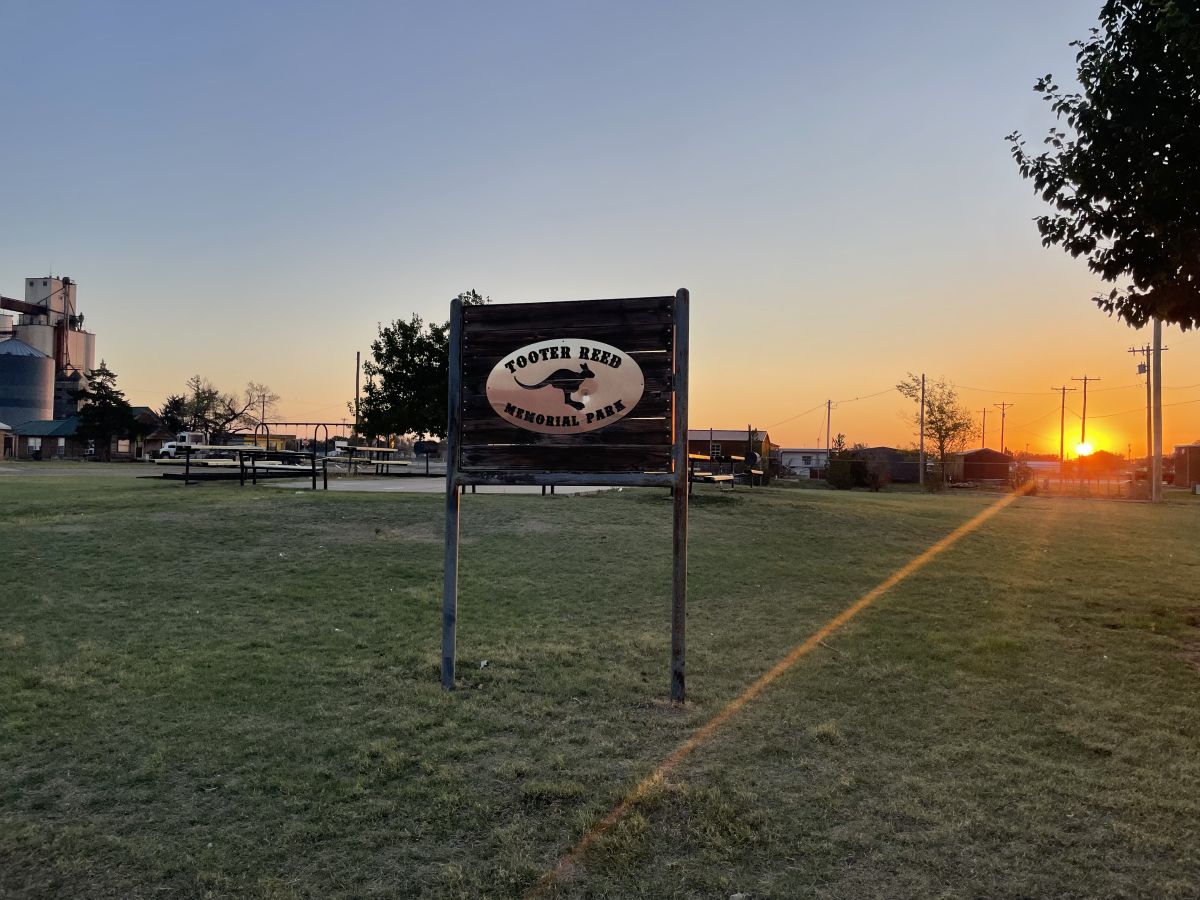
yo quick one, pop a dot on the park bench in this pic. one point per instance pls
(703, 475)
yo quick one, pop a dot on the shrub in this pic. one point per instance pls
(844, 473)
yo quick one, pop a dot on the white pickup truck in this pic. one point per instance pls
(178, 447)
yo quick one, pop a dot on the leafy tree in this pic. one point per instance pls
(104, 413)
(174, 414)
(844, 469)
(407, 377)
(203, 407)
(1101, 462)
(1123, 175)
(1022, 477)
(948, 424)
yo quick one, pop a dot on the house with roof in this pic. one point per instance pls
(983, 464)
(48, 439)
(149, 439)
(723, 443)
(894, 464)
(803, 462)
(730, 446)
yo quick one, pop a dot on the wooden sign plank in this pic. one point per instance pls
(607, 405)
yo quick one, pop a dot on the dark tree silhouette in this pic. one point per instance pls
(407, 377)
(1123, 175)
(104, 413)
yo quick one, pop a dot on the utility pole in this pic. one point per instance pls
(1156, 492)
(1062, 422)
(921, 471)
(357, 370)
(1083, 427)
(1144, 369)
(983, 439)
(828, 410)
(1003, 412)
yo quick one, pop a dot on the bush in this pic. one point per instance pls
(934, 479)
(844, 473)
(1021, 476)
(879, 474)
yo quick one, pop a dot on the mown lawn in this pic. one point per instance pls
(217, 692)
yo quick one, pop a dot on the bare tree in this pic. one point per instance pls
(948, 424)
(207, 408)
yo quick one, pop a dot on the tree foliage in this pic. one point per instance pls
(1123, 175)
(204, 407)
(104, 413)
(948, 424)
(174, 414)
(407, 377)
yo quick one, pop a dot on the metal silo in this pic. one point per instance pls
(26, 383)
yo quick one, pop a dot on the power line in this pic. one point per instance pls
(834, 403)
(1025, 425)
(1126, 412)
(963, 387)
(796, 416)
(867, 397)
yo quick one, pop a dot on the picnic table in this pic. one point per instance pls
(371, 456)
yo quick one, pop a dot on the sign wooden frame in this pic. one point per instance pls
(644, 446)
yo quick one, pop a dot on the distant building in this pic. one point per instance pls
(979, 465)
(6, 441)
(26, 383)
(47, 439)
(152, 434)
(803, 462)
(48, 322)
(1187, 465)
(899, 465)
(722, 443)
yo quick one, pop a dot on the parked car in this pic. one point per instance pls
(178, 447)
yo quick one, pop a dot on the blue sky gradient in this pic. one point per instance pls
(245, 190)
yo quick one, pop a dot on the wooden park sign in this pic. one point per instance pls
(589, 392)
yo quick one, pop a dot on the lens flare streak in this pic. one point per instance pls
(568, 863)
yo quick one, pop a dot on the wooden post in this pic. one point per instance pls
(453, 435)
(314, 468)
(679, 534)
(241, 469)
(1156, 489)
(187, 465)
(325, 471)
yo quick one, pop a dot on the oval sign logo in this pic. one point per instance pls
(565, 386)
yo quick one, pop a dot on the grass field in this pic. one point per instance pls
(216, 692)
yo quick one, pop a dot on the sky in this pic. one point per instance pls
(245, 191)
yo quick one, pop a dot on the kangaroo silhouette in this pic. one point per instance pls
(564, 380)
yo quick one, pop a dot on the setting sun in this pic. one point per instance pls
(1084, 449)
